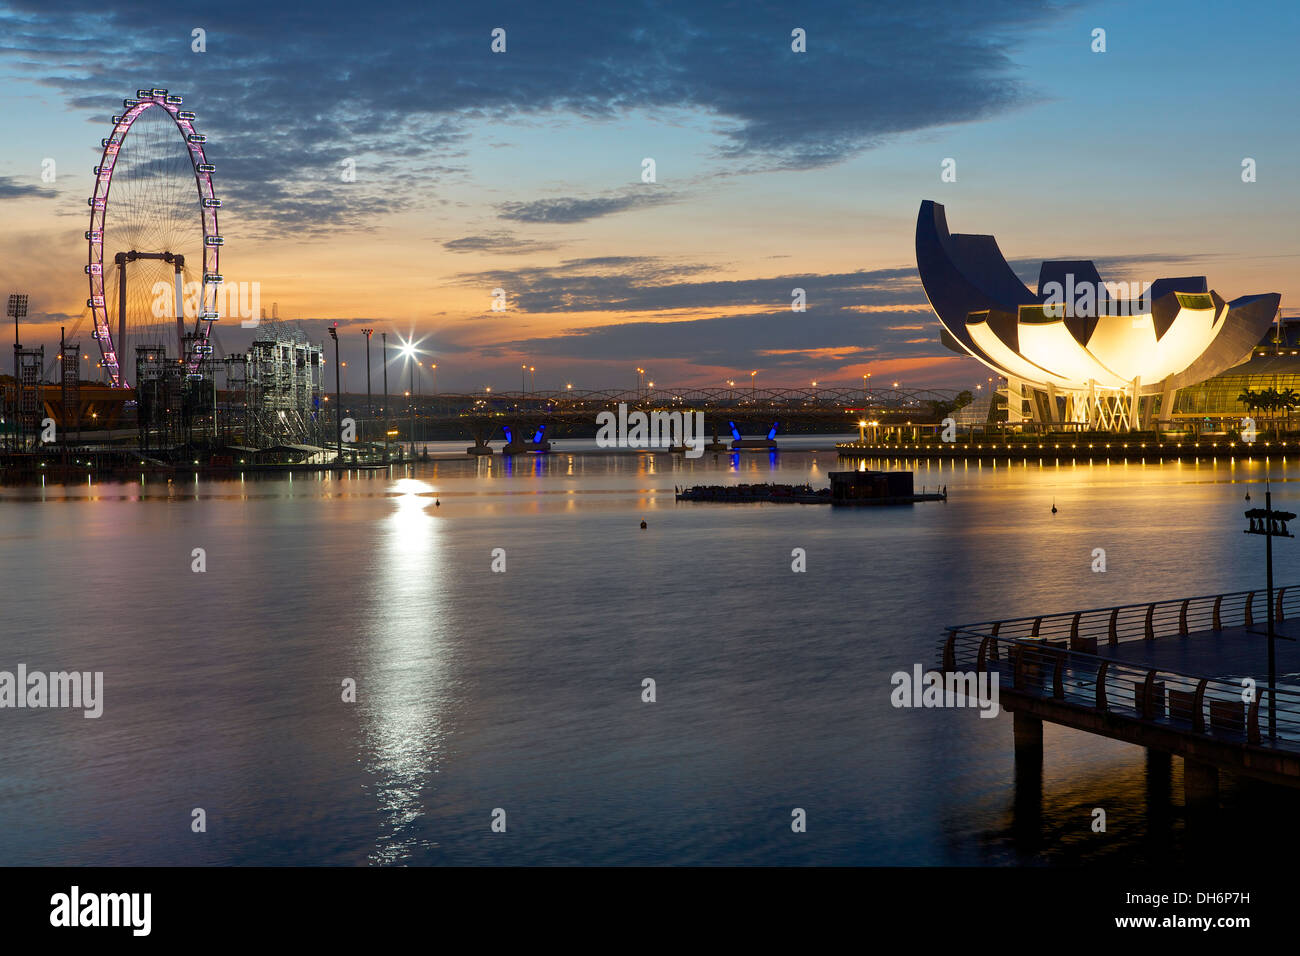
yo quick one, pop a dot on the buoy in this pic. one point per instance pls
(437, 503)
(643, 525)
(1053, 506)
(1248, 496)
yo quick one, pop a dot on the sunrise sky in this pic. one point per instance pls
(774, 169)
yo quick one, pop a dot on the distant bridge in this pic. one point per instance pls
(482, 414)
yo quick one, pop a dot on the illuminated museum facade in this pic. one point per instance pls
(1103, 355)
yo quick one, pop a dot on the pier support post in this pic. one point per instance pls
(1027, 811)
(1159, 763)
(1159, 772)
(1200, 785)
(1160, 805)
(1028, 732)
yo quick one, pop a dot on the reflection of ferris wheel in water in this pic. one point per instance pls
(150, 236)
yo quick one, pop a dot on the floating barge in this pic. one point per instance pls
(852, 488)
(798, 494)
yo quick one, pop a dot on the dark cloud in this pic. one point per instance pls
(12, 189)
(647, 284)
(826, 340)
(850, 318)
(497, 243)
(572, 209)
(288, 92)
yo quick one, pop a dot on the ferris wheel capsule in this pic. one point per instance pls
(196, 138)
(212, 204)
(117, 119)
(187, 115)
(128, 104)
(143, 94)
(173, 100)
(206, 168)
(162, 93)
(212, 278)
(214, 241)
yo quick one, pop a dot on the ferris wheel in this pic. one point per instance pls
(149, 241)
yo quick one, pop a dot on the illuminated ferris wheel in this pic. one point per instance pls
(155, 230)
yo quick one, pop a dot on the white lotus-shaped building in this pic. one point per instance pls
(1080, 350)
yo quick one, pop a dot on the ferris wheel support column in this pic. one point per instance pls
(180, 310)
(120, 344)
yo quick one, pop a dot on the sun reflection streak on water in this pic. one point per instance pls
(405, 725)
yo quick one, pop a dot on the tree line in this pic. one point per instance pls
(1270, 400)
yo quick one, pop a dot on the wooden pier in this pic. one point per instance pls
(1186, 677)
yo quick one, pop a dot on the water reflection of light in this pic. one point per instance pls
(407, 667)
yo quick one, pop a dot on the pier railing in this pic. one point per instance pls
(1092, 629)
(1060, 658)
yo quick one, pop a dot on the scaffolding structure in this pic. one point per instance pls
(31, 366)
(70, 387)
(233, 405)
(199, 404)
(278, 382)
(158, 394)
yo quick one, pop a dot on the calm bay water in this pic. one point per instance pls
(479, 690)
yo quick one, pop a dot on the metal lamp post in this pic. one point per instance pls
(1271, 524)
(17, 310)
(384, 337)
(370, 404)
(409, 352)
(338, 393)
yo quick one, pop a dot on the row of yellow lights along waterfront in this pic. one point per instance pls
(1009, 446)
(1024, 445)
